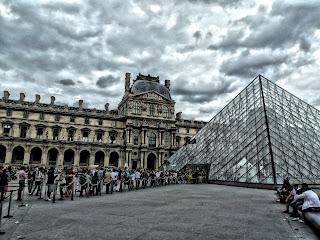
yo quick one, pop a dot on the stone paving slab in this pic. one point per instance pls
(173, 212)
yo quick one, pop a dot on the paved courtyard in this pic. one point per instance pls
(172, 212)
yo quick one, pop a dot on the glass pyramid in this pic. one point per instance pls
(262, 136)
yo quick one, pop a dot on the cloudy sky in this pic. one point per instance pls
(209, 50)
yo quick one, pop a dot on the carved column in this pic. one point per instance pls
(8, 155)
(77, 158)
(107, 158)
(91, 160)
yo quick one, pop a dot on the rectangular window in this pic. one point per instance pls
(151, 110)
(57, 117)
(136, 140)
(100, 122)
(9, 113)
(41, 116)
(23, 132)
(86, 121)
(136, 108)
(85, 136)
(70, 135)
(25, 114)
(188, 130)
(6, 129)
(55, 134)
(39, 133)
(113, 124)
(72, 119)
(99, 136)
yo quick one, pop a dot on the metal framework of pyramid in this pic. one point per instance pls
(262, 136)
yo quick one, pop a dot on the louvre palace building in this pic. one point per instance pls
(143, 132)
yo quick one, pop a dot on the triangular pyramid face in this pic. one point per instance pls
(262, 136)
(294, 131)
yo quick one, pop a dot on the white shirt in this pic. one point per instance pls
(311, 199)
(138, 175)
(114, 175)
(133, 176)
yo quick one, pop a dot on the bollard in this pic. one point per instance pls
(72, 190)
(9, 207)
(1, 232)
(54, 193)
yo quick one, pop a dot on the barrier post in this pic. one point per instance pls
(1, 232)
(72, 190)
(9, 207)
(54, 193)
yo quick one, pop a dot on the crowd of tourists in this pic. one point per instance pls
(69, 182)
(302, 199)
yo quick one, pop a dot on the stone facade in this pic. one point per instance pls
(143, 132)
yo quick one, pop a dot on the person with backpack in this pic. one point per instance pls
(38, 178)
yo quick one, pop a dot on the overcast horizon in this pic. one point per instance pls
(210, 50)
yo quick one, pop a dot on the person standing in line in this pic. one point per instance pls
(114, 179)
(31, 178)
(94, 182)
(61, 180)
(3, 183)
(38, 176)
(100, 177)
(137, 173)
(22, 176)
(50, 182)
(108, 181)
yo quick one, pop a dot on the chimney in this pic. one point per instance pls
(106, 107)
(179, 116)
(80, 104)
(127, 83)
(37, 99)
(6, 95)
(167, 84)
(52, 100)
(22, 97)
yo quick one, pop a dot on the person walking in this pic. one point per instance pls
(22, 176)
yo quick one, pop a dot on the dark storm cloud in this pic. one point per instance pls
(286, 24)
(249, 65)
(106, 81)
(67, 82)
(84, 40)
(197, 35)
(204, 92)
(305, 45)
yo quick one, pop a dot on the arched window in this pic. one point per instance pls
(152, 140)
(136, 108)
(165, 112)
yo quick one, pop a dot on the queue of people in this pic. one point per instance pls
(87, 182)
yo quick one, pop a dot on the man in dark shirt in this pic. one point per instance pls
(50, 182)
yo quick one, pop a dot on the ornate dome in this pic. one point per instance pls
(141, 86)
